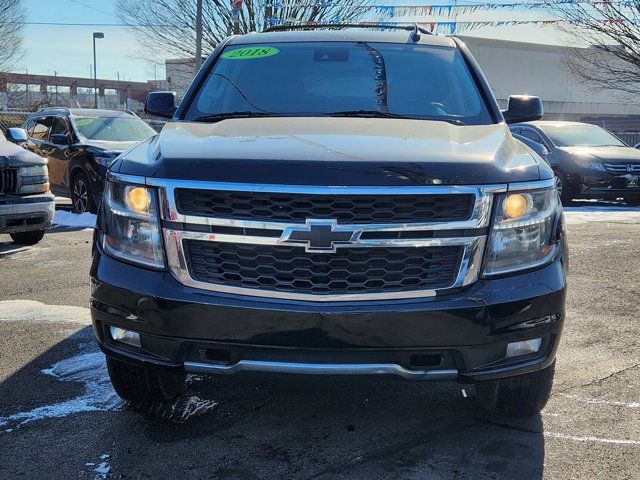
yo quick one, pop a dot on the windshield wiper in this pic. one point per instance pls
(381, 114)
(216, 117)
(364, 113)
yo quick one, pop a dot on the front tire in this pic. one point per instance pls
(27, 238)
(81, 196)
(519, 396)
(564, 189)
(141, 385)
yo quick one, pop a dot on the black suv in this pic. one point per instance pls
(79, 145)
(333, 202)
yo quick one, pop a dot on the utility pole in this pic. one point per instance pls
(95, 69)
(236, 6)
(198, 35)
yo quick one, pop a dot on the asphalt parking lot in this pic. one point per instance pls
(59, 417)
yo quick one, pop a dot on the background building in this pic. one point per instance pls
(537, 69)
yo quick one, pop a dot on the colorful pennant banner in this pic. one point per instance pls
(442, 9)
(447, 28)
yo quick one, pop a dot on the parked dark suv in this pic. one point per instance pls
(588, 161)
(333, 202)
(80, 144)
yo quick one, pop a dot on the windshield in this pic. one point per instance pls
(581, 136)
(320, 78)
(112, 129)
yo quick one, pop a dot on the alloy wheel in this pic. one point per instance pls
(80, 196)
(559, 185)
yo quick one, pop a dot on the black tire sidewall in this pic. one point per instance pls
(91, 208)
(566, 195)
(28, 238)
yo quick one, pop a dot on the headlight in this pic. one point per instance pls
(522, 235)
(105, 161)
(583, 162)
(33, 171)
(132, 230)
(34, 179)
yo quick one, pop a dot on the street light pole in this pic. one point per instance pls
(95, 69)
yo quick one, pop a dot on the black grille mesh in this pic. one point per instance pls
(287, 207)
(347, 271)
(8, 181)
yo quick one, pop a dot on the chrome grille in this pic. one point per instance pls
(268, 257)
(623, 168)
(8, 181)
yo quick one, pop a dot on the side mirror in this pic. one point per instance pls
(17, 135)
(523, 108)
(160, 104)
(59, 139)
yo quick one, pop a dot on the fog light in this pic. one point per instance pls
(522, 348)
(125, 336)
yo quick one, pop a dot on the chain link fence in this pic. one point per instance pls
(630, 138)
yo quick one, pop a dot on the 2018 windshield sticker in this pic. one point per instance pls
(83, 121)
(250, 53)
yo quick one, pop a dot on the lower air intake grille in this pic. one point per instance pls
(347, 271)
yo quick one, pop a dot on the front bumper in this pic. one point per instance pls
(26, 213)
(596, 184)
(460, 335)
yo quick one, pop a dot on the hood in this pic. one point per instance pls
(608, 154)
(334, 151)
(11, 155)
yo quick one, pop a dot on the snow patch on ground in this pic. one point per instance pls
(66, 219)
(612, 213)
(29, 311)
(88, 368)
(99, 396)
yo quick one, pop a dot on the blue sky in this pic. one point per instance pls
(67, 50)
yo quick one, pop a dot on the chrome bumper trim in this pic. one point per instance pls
(321, 369)
(480, 216)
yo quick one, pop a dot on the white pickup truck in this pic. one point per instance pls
(26, 204)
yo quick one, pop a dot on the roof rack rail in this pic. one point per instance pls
(62, 109)
(410, 27)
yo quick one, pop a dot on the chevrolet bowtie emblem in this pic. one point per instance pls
(319, 236)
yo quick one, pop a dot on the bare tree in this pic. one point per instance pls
(168, 27)
(11, 26)
(612, 29)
